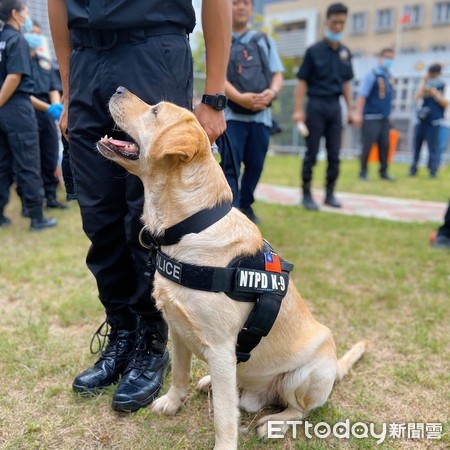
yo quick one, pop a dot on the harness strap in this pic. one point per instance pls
(259, 323)
(194, 224)
(243, 284)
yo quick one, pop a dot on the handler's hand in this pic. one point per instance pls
(64, 121)
(211, 120)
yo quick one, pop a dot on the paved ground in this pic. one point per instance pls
(361, 205)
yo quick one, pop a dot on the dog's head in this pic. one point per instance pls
(159, 131)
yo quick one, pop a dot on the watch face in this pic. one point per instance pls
(221, 102)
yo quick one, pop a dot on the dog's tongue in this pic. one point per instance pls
(125, 145)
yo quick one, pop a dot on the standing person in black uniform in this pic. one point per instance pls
(19, 140)
(141, 45)
(324, 75)
(48, 110)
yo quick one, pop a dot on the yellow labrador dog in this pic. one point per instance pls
(295, 365)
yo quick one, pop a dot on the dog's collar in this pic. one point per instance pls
(193, 224)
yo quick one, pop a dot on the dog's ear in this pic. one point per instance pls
(184, 139)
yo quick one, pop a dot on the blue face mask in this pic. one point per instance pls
(434, 83)
(34, 40)
(334, 37)
(27, 26)
(386, 63)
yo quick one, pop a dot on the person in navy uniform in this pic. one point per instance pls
(431, 93)
(324, 76)
(373, 108)
(46, 91)
(143, 46)
(19, 140)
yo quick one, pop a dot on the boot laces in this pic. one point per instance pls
(106, 338)
(103, 332)
(148, 343)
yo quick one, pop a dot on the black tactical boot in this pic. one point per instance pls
(146, 368)
(113, 358)
(38, 220)
(308, 201)
(52, 202)
(330, 199)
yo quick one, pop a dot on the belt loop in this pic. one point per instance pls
(137, 36)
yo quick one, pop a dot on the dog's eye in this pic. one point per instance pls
(154, 110)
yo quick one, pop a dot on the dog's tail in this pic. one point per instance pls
(346, 362)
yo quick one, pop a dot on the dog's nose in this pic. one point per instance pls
(120, 90)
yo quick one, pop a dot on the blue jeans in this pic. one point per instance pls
(250, 141)
(444, 136)
(429, 132)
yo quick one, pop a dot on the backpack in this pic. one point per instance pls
(248, 68)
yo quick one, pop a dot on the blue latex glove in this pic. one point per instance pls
(55, 110)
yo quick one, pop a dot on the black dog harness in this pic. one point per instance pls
(262, 278)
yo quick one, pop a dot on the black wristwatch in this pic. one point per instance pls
(218, 101)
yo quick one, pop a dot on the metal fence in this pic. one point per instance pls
(402, 119)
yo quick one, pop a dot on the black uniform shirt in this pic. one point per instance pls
(44, 76)
(116, 14)
(325, 70)
(15, 58)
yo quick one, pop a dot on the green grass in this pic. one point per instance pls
(284, 170)
(363, 278)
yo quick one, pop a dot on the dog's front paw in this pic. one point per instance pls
(263, 427)
(166, 405)
(204, 385)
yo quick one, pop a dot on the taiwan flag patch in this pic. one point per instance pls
(272, 262)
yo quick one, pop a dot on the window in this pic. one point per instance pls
(410, 49)
(384, 20)
(439, 47)
(358, 23)
(412, 16)
(441, 13)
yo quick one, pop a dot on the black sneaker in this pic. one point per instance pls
(331, 200)
(250, 214)
(112, 362)
(442, 241)
(71, 197)
(308, 201)
(52, 202)
(40, 223)
(146, 368)
(387, 177)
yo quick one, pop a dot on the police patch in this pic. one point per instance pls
(249, 280)
(343, 54)
(168, 268)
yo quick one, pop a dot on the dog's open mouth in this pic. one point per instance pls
(125, 149)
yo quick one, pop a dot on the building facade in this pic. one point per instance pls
(412, 26)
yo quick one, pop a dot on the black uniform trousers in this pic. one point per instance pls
(323, 118)
(19, 151)
(375, 131)
(155, 68)
(49, 147)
